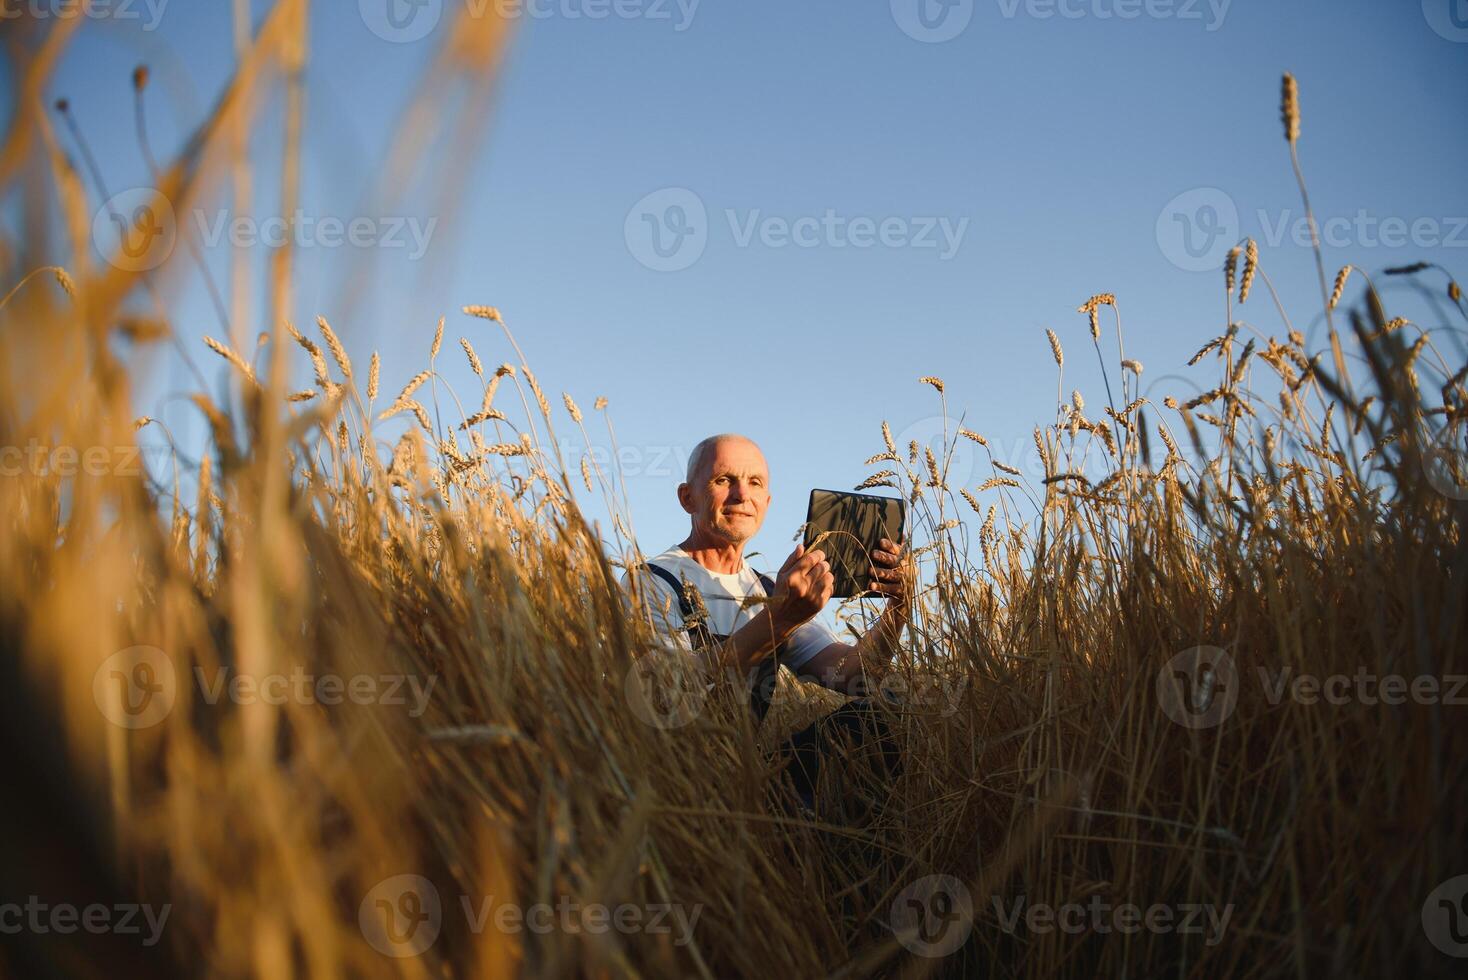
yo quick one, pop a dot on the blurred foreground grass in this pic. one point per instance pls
(1119, 689)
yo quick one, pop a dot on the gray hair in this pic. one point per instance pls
(702, 456)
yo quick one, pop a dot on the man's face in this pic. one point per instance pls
(728, 499)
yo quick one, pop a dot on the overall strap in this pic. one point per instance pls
(699, 632)
(684, 606)
(764, 678)
(763, 685)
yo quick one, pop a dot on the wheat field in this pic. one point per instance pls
(1100, 703)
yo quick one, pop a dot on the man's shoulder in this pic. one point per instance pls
(673, 561)
(670, 557)
(683, 567)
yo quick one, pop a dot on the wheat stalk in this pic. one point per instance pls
(229, 354)
(334, 344)
(1340, 286)
(1055, 350)
(1289, 108)
(1251, 266)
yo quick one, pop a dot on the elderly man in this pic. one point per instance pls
(696, 592)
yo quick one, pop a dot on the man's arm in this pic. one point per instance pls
(749, 644)
(802, 589)
(852, 667)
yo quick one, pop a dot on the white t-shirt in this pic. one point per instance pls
(722, 597)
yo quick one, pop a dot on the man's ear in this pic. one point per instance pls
(685, 497)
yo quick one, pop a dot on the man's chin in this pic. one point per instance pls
(736, 533)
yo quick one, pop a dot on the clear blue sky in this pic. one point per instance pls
(1053, 135)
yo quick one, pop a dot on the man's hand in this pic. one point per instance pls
(802, 589)
(888, 576)
(852, 668)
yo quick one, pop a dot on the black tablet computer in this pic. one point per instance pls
(853, 525)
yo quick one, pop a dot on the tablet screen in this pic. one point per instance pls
(854, 525)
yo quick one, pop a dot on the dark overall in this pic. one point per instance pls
(852, 726)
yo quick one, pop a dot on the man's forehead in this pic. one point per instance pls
(737, 456)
